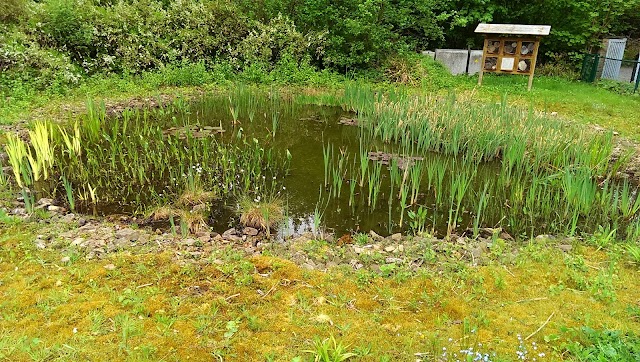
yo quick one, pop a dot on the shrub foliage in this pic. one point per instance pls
(59, 40)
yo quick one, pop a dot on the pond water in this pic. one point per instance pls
(330, 168)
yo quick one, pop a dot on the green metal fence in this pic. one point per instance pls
(596, 67)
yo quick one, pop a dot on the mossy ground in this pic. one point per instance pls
(137, 305)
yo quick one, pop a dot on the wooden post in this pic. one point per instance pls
(484, 56)
(534, 60)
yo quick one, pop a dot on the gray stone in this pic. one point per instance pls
(82, 222)
(19, 211)
(375, 236)
(58, 209)
(390, 249)
(128, 234)
(454, 59)
(204, 238)
(78, 242)
(250, 231)
(143, 239)
(565, 247)
(45, 201)
(475, 58)
(230, 232)
(396, 237)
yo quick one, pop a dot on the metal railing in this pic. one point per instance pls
(596, 67)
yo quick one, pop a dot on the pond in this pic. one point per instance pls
(358, 161)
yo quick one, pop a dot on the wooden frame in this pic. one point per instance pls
(512, 53)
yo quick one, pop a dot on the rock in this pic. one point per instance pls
(78, 242)
(204, 238)
(44, 202)
(40, 244)
(375, 236)
(396, 237)
(358, 250)
(128, 234)
(506, 236)
(390, 249)
(110, 267)
(65, 259)
(218, 238)
(250, 231)
(143, 239)
(230, 232)
(401, 248)
(476, 253)
(58, 209)
(82, 222)
(68, 218)
(393, 260)
(20, 211)
(188, 242)
(565, 247)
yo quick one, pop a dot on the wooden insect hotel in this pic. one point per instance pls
(511, 48)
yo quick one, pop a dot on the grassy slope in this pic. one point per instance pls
(575, 101)
(151, 307)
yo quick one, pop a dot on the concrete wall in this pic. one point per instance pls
(458, 61)
(454, 59)
(475, 60)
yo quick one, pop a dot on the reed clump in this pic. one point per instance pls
(261, 213)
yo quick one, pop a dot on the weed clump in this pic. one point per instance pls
(260, 213)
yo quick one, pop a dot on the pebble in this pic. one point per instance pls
(128, 234)
(58, 209)
(375, 236)
(250, 231)
(78, 242)
(396, 237)
(565, 247)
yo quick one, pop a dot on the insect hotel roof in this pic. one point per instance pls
(511, 48)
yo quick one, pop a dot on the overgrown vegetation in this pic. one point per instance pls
(61, 42)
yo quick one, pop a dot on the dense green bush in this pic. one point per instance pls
(23, 62)
(12, 10)
(139, 35)
(358, 33)
(56, 40)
